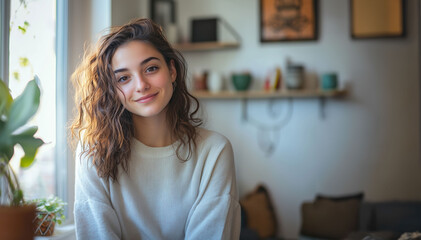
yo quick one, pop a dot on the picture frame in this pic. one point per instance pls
(288, 20)
(204, 30)
(377, 19)
(163, 12)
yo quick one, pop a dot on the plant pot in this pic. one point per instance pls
(44, 224)
(17, 222)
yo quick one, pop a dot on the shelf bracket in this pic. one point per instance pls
(322, 101)
(244, 109)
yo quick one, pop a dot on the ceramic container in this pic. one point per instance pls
(215, 82)
(329, 81)
(241, 81)
(295, 77)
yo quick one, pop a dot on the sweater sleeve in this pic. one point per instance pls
(216, 212)
(95, 218)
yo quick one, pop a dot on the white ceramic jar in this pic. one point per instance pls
(215, 82)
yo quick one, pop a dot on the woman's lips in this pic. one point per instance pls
(146, 98)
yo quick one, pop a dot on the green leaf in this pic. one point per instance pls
(23, 61)
(7, 151)
(30, 146)
(49, 208)
(6, 144)
(17, 197)
(22, 29)
(24, 3)
(16, 75)
(26, 132)
(6, 99)
(24, 107)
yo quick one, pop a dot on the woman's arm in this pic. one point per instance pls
(216, 213)
(95, 217)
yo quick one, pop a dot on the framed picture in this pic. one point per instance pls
(288, 20)
(377, 18)
(162, 12)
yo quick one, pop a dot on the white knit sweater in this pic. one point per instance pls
(162, 197)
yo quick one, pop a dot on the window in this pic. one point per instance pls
(37, 46)
(32, 51)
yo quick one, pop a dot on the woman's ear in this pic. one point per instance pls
(173, 71)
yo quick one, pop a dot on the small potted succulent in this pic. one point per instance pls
(49, 211)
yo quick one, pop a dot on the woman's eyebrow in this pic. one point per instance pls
(142, 63)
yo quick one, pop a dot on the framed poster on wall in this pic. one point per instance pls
(162, 12)
(288, 20)
(377, 18)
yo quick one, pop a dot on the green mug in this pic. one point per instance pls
(329, 81)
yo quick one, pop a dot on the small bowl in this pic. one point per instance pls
(241, 81)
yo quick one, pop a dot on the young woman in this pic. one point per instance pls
(144, 167)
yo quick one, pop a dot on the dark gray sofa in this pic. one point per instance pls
(352, 218)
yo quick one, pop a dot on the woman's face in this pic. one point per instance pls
(144, 78)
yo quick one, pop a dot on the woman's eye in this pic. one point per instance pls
(151, 69)
(122, 79)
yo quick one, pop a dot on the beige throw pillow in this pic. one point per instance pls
(260, 215)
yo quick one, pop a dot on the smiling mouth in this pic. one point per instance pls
(146, 98)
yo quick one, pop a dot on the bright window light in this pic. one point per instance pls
(32, 52)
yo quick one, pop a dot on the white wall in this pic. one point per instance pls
(87, 20)
(125, 10)
(367, 142)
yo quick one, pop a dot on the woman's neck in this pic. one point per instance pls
(153, 132)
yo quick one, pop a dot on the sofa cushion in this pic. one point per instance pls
(260, 215)
(332, 219)
(366, 219)
(359, 196)
(397, 216)
(377, 235)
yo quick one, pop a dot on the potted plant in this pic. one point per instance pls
(15, 216)
(49, 211)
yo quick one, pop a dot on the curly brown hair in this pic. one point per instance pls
(103, 126)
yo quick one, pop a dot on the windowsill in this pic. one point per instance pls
(66, 232)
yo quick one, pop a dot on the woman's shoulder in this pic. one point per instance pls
(210, 137)
(214, 149)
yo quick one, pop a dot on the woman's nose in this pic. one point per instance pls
(141, 83)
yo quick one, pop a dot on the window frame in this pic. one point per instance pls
(4, 38)
(61, 156)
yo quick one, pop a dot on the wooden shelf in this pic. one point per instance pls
(306, 93)
(205, 46)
